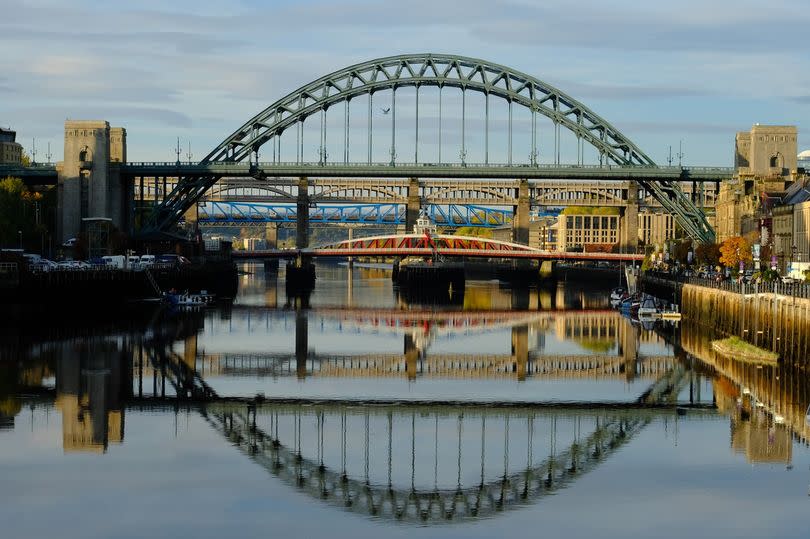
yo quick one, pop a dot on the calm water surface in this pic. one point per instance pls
(358, 413)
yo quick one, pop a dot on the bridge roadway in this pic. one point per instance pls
(428, 252)
(46, 173)
(489, 366)
(430, 192)
(242, 169)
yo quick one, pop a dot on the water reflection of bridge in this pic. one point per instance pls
(411, 462)
(609, 343)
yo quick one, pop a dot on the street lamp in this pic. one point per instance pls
(19, 233)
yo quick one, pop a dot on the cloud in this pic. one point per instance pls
(801, 99)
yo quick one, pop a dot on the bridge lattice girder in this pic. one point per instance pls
(438, 506)
(242, 213)
(433, 70)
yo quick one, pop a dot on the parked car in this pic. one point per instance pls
(70, 242)
(787, 279)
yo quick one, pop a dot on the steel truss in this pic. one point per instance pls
(454, 215)
(432, 70)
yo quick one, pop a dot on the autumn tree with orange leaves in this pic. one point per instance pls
(735, 250)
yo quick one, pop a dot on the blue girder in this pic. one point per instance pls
(235, 213)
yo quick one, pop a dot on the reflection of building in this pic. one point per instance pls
(89, 387)
(753, 437)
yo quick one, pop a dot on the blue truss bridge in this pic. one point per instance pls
(453, 215)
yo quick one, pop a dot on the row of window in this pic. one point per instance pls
(608, 222)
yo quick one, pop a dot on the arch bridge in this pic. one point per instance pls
(282, 125)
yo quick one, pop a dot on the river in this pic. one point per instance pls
(357, 412)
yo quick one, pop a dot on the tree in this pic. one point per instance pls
(735, 250)
(680, 252)
(24, 214)
(476, 231)
(708, 254)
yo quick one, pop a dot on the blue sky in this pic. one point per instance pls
(692, 71)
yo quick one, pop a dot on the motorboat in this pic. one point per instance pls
(648, 308)
(617, 293)
(189, 300)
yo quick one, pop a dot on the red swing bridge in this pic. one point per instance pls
(444, 245)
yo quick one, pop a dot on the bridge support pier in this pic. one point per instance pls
(271, 242)
(301, 344)
(520, 223)
(302, 214)
(520, 351)
(414, 205)
(301, 272)
(628, 347)
(411, 357)
(88, 184)
(629, 221)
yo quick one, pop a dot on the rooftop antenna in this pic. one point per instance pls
(178, 151)
(680, 152)
(669, 159)
(33, 151)
(49, 155)
(189, 155)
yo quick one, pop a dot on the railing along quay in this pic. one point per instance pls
(797, 289)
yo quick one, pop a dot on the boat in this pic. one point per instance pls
(617, 293)
(648, 309)
(189, 300)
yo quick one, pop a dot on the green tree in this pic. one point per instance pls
(708, 253)
(475, 231)
(24, 214)
(680, 252)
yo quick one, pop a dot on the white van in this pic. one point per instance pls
(133, 262)
(115, 261)
(147, 261)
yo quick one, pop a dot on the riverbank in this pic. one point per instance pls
(774, 320)
(93, 287)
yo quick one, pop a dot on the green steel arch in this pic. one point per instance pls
(434, 70)
(430, 70)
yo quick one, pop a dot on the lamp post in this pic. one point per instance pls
(19, 233)
(793, 252)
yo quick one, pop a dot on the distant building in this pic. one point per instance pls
(766, 151)
(10, 149)
(803, 160)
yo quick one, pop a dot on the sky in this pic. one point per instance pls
(688, 74)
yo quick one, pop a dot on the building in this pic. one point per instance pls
(584, 231)
(765, 169)
(89, 180)
(803, 161)
(10, 149)
(767, 151)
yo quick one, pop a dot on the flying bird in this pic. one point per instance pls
(386, 111)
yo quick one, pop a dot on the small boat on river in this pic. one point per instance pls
(189, 300)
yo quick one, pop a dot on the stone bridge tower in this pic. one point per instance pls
(90, 183)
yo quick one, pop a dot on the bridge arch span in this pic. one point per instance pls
(438, 70)
(429, 69)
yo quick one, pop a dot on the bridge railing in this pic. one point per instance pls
(795, 289)
(272, 164)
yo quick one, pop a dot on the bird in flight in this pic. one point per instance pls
(386, 111)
